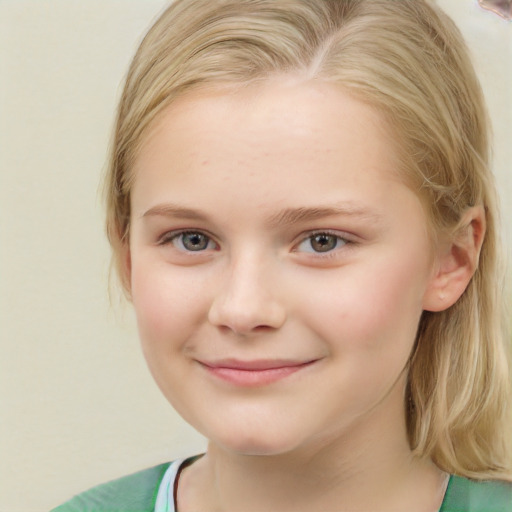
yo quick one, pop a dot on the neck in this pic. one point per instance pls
(369, 467)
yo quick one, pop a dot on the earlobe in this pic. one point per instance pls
(457, 261)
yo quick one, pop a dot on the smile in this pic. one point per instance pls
(254, 373)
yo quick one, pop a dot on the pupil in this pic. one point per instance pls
(195, 241)
(323, 243)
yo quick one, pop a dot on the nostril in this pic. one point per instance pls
(263, 328)
(245, 302)
(246, 321)
(243, 332)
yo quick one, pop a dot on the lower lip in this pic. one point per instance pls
(255, 378)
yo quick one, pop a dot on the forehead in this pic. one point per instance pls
(309, 136)
(315, 114)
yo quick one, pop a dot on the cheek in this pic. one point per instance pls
(394, 301)
(165, 303)
(368, 308)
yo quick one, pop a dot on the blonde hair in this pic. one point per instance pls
(407, 59)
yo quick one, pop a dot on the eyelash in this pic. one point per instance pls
(340, 237)
(170, 237)
(346, 242)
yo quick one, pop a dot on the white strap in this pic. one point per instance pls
(165, 497)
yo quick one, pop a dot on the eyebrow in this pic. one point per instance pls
(291, 216)
(171, 210)
(286, 217)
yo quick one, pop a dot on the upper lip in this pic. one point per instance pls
(255, 364)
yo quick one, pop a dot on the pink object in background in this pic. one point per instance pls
(502, 8)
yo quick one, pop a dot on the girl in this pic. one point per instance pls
(301, 210)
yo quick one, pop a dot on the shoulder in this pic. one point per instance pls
(132, 493)
(464, 495)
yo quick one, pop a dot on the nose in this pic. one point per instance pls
(247, 302)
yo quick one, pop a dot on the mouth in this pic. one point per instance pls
(254, 373)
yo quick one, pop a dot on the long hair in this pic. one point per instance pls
(408, 60)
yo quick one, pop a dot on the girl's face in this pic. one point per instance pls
(278, 266)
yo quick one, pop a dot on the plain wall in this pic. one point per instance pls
(78, 406)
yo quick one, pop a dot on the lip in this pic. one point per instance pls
(256, 372)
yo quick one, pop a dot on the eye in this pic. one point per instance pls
(189, 241)
(321, 243)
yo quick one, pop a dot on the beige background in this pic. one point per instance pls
(78, 406)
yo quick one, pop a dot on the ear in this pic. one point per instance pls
(457, 261)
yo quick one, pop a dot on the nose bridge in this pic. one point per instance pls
(246, 299)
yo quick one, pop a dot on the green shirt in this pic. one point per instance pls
(138, 492)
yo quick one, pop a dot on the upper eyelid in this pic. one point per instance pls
(167, 240)
(344, 235)
(173, 233)
(349, 238)
(348, 243)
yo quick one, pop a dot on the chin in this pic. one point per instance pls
(257, 444)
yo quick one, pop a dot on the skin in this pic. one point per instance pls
(252, 284)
